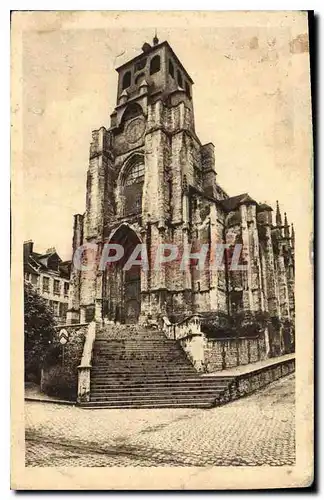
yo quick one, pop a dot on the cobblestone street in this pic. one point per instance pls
(257, 430)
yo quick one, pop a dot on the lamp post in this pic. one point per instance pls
(63, 338)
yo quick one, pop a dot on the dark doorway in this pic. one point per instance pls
(132, 294)
(123, 287)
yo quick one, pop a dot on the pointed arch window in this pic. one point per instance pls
(155, 65)
(133, 181)
(126, 80)
(171, 68)
(135, 174)
(179, 77)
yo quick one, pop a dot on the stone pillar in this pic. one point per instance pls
(73, 312)
(209, 172)
(213, 269)
(98, 211)
(283, 287)
(247, 290)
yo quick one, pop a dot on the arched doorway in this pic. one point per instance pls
(123, 287)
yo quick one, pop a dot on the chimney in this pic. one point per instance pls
(28, 248)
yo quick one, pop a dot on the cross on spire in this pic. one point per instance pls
(155, 39)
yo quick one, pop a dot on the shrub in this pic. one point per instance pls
(241, 324)
(60, 381)
(38, 330)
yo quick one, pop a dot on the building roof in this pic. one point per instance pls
(232, 203)
(262, 207)
(153, 49)
(49, 262)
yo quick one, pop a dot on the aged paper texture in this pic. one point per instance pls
(170, 138)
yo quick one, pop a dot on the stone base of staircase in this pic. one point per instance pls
(140, 368)
(252, 377)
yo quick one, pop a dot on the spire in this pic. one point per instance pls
(286, 227)
(155, 39)
(278, 215)
(292, 236)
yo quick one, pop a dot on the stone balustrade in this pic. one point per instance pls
(192, 340)
(84, 368)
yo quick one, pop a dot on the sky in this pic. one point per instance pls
(251, 100)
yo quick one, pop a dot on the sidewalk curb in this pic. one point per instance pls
(53, 401)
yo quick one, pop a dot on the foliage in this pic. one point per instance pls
(241, 324)
(38, 330)
(216, 324)
(60, 378)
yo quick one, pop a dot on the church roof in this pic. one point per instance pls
(232, 203)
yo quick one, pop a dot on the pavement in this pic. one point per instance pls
(255, 430)
(33, 393)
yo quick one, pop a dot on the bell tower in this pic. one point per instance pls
(155, 74)
(141, 171)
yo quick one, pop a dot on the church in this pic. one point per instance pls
(151, 181)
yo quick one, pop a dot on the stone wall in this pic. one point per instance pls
(220, 354)
(249, 382)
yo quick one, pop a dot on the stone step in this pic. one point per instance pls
(139, 355)
(186, 384)
(149, 368)
(157, 393)
(135, 368)
(118, 352)
(153, 397)
(135, 343)
(147, 404)
(139, 362)
(108, 349)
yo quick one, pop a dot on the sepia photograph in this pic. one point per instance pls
(162, 171)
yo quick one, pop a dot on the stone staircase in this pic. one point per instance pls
(133, 367)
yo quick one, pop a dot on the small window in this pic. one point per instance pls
(34, 279)
(126, 80)
(155, 65)
(55, 307)
(63, 310)
(56, 287)
(187, 89)
(171, 69)
(179, 77)
(46, 284)
(66, 289)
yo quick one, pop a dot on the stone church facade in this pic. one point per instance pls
(151, 181)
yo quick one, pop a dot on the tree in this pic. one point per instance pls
(38, 330)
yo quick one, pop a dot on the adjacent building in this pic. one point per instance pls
(50, 276)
